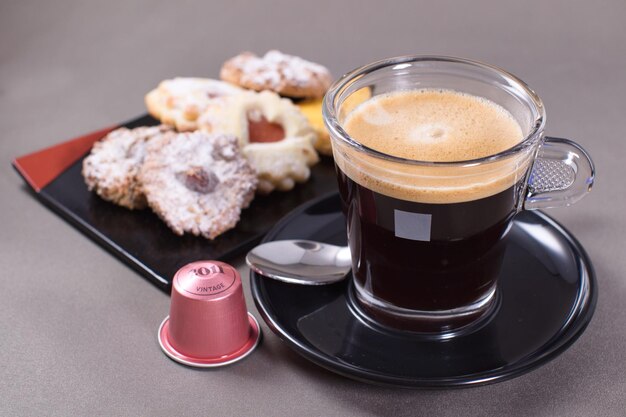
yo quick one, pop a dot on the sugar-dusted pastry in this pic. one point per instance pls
(180, 101)
(275, 136)
(284, 74)
(112, 166)
(196, 182)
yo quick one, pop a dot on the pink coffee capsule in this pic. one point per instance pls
(208, 324)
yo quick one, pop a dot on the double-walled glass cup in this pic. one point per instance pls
(427, 238)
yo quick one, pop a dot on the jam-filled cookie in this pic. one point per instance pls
(112, 167)
(275, 137)
(180, 101)
(284, 74)
(196, 182)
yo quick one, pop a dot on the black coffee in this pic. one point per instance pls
(428, 237)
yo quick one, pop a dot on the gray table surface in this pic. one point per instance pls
(78, 328)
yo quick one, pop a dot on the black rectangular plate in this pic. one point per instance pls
(146, 244)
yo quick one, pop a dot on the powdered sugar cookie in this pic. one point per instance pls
(112, 166)
(284, 74)
(196, 182)
(275, 136)
(180, 101)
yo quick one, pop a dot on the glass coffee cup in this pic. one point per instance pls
(428, 235)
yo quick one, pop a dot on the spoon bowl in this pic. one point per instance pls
(302, 262)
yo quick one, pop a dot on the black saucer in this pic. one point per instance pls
(547, 291)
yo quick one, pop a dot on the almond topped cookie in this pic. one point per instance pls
(275, 137)
(112, 167)
(284, 74)
(180, 101)
(196, 182)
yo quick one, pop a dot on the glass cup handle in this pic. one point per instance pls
(562, 174)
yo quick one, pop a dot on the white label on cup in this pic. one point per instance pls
(413, 226)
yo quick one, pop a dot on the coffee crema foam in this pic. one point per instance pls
(434, 126)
